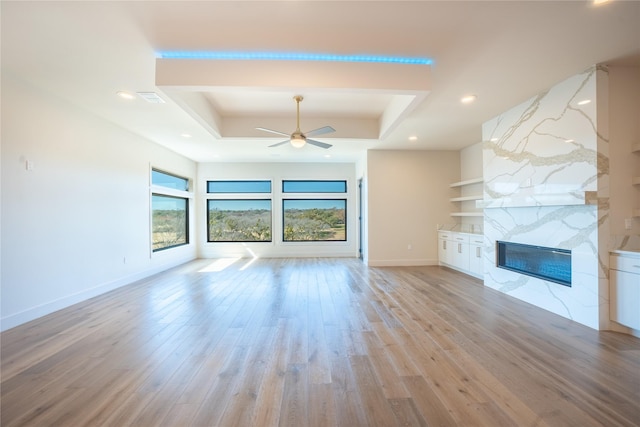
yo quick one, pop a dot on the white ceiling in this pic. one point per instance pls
(504, 52)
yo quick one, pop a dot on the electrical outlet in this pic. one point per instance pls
(628, 223)
(409, 247)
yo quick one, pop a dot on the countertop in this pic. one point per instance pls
(633, 253)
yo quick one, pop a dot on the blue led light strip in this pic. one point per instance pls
(291, 57)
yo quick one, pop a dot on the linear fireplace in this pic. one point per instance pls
(552, 264)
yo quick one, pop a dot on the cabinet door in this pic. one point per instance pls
(475, 260)
(443, 251)
(624, 297)
(460, 255)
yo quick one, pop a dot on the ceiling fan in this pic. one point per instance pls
(297, 138)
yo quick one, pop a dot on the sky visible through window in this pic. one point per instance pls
(240, 205)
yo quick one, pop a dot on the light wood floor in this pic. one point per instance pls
(314, 342)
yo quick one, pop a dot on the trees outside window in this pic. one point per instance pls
(169, 210)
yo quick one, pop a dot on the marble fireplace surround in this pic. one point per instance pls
(545, 167)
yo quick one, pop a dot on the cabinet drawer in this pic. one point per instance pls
(622, 263)
(460, 238)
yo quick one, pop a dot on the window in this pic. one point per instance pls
(244, 218)
(169, 222)
(290, 186)
(167, 180)
(314, 220)
(169, 211)
(238, 186)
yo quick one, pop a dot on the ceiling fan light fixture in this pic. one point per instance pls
(297, 138)
(297, 141)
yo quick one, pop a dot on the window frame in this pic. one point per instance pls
(344, 200)
(169, 192)
(208, 211)
(318, 196)
(239, 196)
(238, 181)
(284, 191)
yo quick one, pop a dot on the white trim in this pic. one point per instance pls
(38, 311)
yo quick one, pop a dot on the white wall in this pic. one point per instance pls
(471, 168)
(78, 223)
(277, 172)
(624, 128)
(408, 196)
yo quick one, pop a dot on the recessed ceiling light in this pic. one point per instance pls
(584, 102)
(493, 139)
(413, 138)
(327, 156)
(569, 140)
(185, 135)
(600, 2)
(125, 95)
(467, 99)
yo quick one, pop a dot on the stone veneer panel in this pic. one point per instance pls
(541, 164)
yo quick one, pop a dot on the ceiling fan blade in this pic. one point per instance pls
(318, 143)
(280, 143)
(273, 131)
(320, 131)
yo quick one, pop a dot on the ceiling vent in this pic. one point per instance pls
(151, 97)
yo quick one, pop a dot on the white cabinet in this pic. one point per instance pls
(476, 265)
(457, 250)
(460, 253)
(624, 289)
(445, 246)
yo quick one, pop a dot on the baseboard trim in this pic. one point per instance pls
(41, 310)
(401, 262)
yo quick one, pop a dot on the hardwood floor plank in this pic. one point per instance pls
(215, 402)
(429, 405)
(406, 413)
(349, 408)
(322, 412)
(376, 407)
(269, 399)
(295, 410)
(387, 375)
(239, 410)
(314, 342)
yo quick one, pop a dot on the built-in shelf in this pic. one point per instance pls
(635, 148)
(636, 180)
(467, 198)
(467, 182)
(636, 213)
